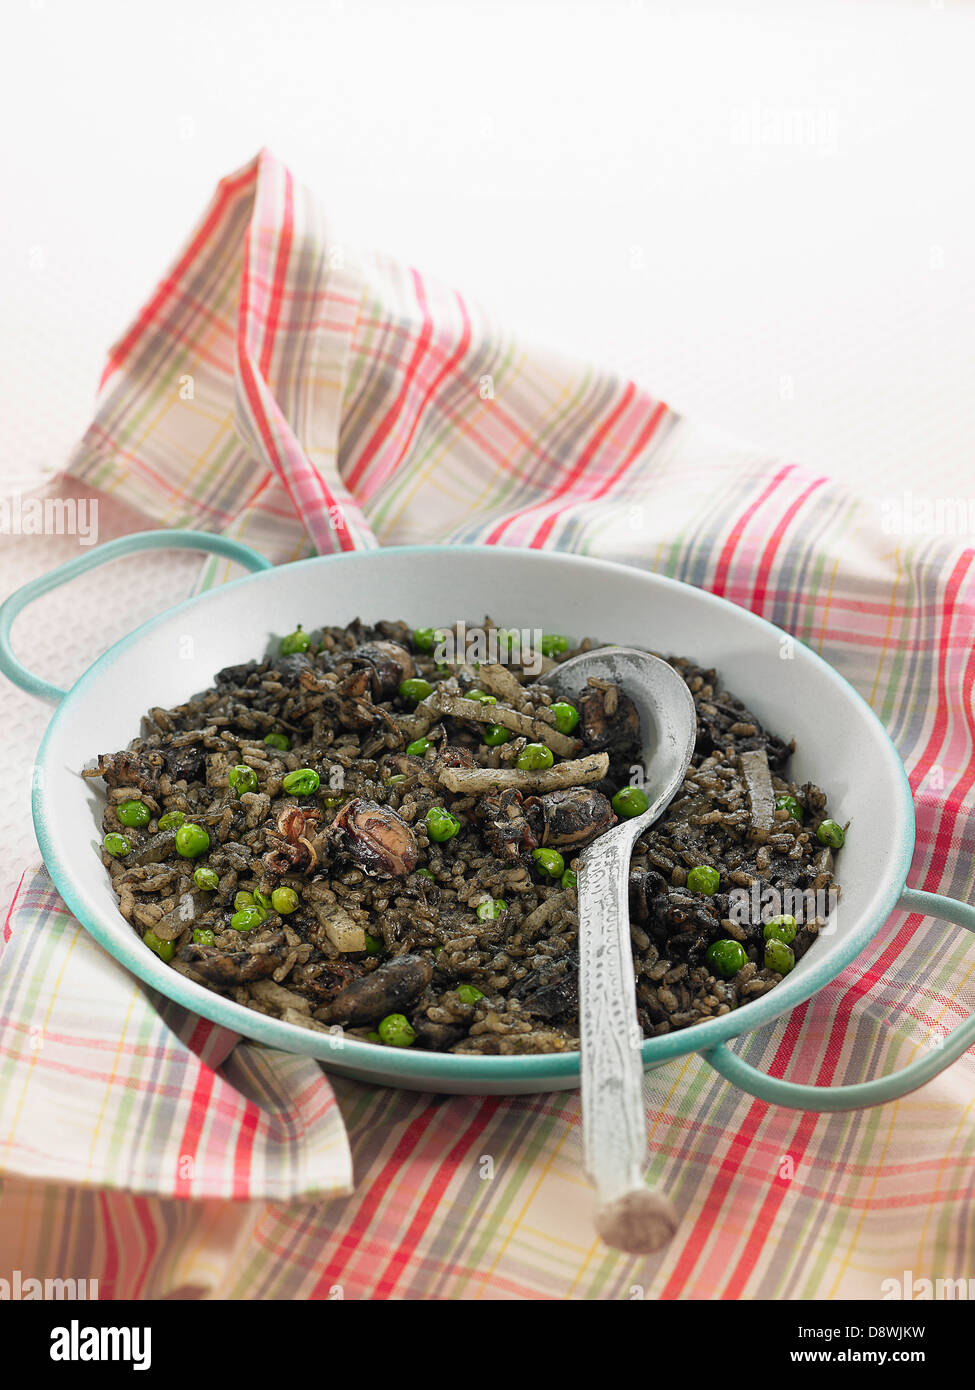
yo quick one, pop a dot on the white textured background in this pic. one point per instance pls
(765, 212)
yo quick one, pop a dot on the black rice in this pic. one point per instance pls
(387, 919)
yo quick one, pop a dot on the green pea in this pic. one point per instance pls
(374, 945)
(554, 644)
(426, 638)
(165, 950)
(534, 756)
(441, 825)
(482, 697)
(262, 900)
(415, 690)
(631, 801)
(829, 832)
(395, 1031)
(281, 741)
(492, 908)
(171, 820)
(297, 641)
(248, 918)
(395, 780)
(192, 841)
(242, 778)
(569, 879)
(243, 899)
(203, 936)
(206, 879)
(790, 804)
(779, 957)
(726, 957)
(782, 928)
(424, 873)
(284, 900)
(494, 735)
(419, 747)
(374, 1037)
(469, 994)
(117, 845)
(332, 801)
(550, 862)
(566, 716)
(703, 879)
(133, 813)
(304, 781)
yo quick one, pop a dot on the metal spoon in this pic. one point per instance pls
(630, 1216)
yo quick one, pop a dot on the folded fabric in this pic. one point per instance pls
(284, 389)
(105, 1082)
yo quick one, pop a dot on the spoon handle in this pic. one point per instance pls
(629, 1215)
(613, 1116)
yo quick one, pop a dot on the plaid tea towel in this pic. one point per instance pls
(301, 395)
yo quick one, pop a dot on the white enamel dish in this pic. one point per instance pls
(840, 745)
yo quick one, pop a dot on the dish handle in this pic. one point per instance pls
(882, 1088)
(10, 664)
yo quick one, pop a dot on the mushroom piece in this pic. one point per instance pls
(676, 910)
(375, 838)
(388, 990)
(386, 664)
(436, 1037)
(186, 763)
(289, 846)
(506, 826)
(348, 699)
(608, 718)
(292, 667)
(550, 991)
(128, 769)
(570, 819)
(157, 848)
(321, 980)
(227, 968)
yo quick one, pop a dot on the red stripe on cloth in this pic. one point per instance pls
(760, 590)
(192, 1129)
(108, 1278)
(383, 429)
(144, 1217)
(449, 366)
(646, 434)
(7, 929)
(578, 468)
(249, 381)
(226, 191)
(280, 275)
(763, 1222)
(954, 804)
(730, 1164)
(933, 746)
(721, 569)
(446, 1168)
(366, 1211)
(244, 1152)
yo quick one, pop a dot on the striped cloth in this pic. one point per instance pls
(290, 391)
